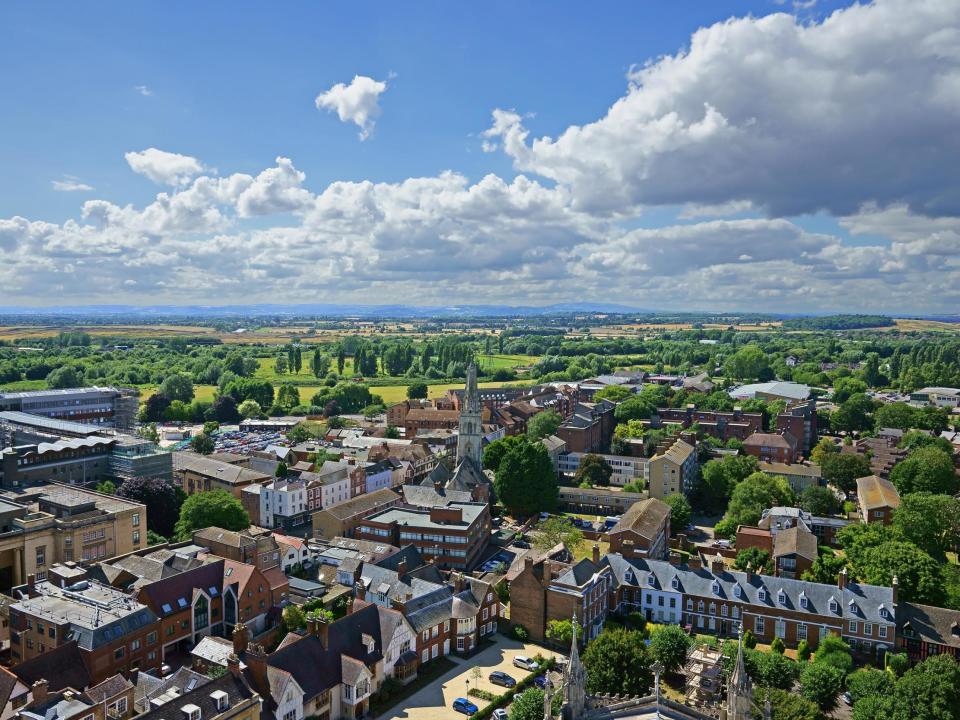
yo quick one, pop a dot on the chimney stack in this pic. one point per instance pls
(31, 583)
(596, 554)
(233, 665)
(895, 586)
(39, 690)
(257, 665)
(401, 568)
(360, 591)
(240, 639)
(749, 572)
(717, 566)
(311, 624)
(323, 630)
(842, 579)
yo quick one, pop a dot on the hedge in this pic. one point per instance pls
(503, 699)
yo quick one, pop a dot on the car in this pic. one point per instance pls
(721, 543)
(544, 515)
(587, 525)
(500, 714)
(521, 544)
(540, 681)
(525, 663)
(462, 705)
(577, 522)
(846, 697)
(498, 677)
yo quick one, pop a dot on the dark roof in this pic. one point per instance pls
(795, 541)
(61, 666)
(235, 687)
(646, 518)
(109, 688)
(410, 554)
(932, 624)
(344, 637)
(165, 596)
(8, 681)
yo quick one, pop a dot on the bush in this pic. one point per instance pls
(520, 633)
(803, 651)
(749, 640)
(777, 646)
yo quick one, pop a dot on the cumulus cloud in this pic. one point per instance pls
(70, 184)
(164, 168)
(792, 117)
(358, 102)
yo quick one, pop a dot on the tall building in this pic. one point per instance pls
(471, 423)
(108, 406)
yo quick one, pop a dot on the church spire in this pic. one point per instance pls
(739, 689)
(575, 679)
(471, 428)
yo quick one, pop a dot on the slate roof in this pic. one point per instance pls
(429, 496)
(645, 518)
(795, 541)
(363, 503)
(8, 682)
(931, 624)
(150, 687)
(855, 601)
(61, 666)
(467, 476)
(344, 637)
(174, 594)
(109, 688)
(223, 472)
(235, 687)
(213, 649)
(579, 574)
(771, 440)
(379, 580)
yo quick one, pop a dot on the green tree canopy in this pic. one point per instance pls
(494, 452)
(821, 683)
(617, 662)
(756, 558)
(748, 363)
(525, 481)
(614, 393)
(163, 501)
(931, 522)
(417, 390)
(681, 514)
(555, 530)
(869, 681)
(750, 498)
(819, 500)
(561, 632)
(843, 469)
(919, 576)
(719, 477)
(528, 705)
(202, 444)
(216, 508)
(927, 469)
(543, 424)
(594, 470)
(178, 386)
(669, 645)
(855, 413)
(634, 408)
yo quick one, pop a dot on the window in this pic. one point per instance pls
(803, 601)
(426, 634)
(758, 625)
(675, 582)
(435, 651)
(723, 610)
(120, 706)
(134, 646)
(41, 555)
(801, 632)
(867, 629)
(737, 591)
(200, 616)
(52, 631)
(118, 654)
(171, 629)
(716, 588)
(292, 715)
(435, 631)
(651, 580)
(446, 626)
(833, 605)
(762, 594)
(136, 537)
(780, 628)
(853, 626)
(136, 519)
(782, 597)
(460, 643)
(673, 602)
(883, 632)
(735, 613)
(700, 606)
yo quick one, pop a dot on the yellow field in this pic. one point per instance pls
(905, 325)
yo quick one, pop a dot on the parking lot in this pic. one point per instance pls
(435, 701)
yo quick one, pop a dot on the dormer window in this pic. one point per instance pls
(762, 594)
(675, 582)
(628, 576)
(737, 591)
(782, 597)
(803, 601)
(883, 612)
(834, 605)
(651, 580)
(716, 588)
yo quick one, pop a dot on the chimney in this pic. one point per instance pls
(459, 583)
(311, 624)
(360, 591)
(240, 639)
(717, 566)
(257, 665)
(401, 568)
(349, 606)
(31, 583)
(39, 691)
(596, 554)
(894, 585)
(323, 630)
(842, 579)
(749, 572)
(694, 562)
(233, 665)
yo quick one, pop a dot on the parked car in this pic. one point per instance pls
(721, 543)
(525, 663)
(521, 544)
(544, 515)
(540, 681)
(847, 698)
(587, 525)
(498, 677)
(500, 714)
(462, 705)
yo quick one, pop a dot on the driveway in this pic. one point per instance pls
(435, 701)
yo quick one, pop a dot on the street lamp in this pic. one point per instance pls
(657, 670)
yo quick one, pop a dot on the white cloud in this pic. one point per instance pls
(789, 116)
(357, 102)
(275, 190)
(70, 184)
(143, 90)
(164, 168)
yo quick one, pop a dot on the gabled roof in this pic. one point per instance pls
(875, 492)
(429, 496)
(175, 594)
(62, 667)
(795, 541)
(932, 624)
(236, 688)
(645, 518)
(109, 688)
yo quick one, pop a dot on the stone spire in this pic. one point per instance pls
(739, 689)
(575, 680)
(471, 427)
(548, 699)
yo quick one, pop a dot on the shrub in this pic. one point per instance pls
(520, 633)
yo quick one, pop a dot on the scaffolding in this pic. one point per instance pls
(704, 674)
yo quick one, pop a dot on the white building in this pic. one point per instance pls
(283, 504)
(940, 396)
(626, 468)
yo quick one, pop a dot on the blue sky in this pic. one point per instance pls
(233, 85)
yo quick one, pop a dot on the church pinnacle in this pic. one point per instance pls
(471, 422)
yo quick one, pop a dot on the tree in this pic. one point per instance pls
(617, 662)
(528, 705)
(896, 663)
(107, 487)
(928, 691)
(155, 538)
(919, 576)
(719, 477)
(750, 498)
(634, 408)
(154, 408)
(319, 364)
(281, 470)
(288, 396)
(341, 360)
(216, 508)
(787, 706)
(748, 363)
(821, 683)
(543, 424)
(494, 452)
(773, 669)
(614, 393)
(555, 530)
(178, 386)
(681, 514)
(202, 444)
(844, 388)
(66, 376)
(224, 409)
(931, 522)
(819, 500)
(162, 499)
(833, 651)
(826, 567)
(803, 651)
(561, 632)
(392, 432)
(898, 415)
(249, 409)
(371, 411)
(825, 447)
(927, 469)
(281, 365)
(756, 558)
(777, 646)
(594, 470)
(525, 481)
(869, 681)
(843, 469)
(669, 645)
(918, 439)
(417, 390)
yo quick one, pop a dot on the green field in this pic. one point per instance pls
(490, 363)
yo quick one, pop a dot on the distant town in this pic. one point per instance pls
(590, 515)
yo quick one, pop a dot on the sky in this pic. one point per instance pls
(763, 156)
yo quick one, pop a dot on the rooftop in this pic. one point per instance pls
(224, 472)
(363, 503)
(39, 421)
(875, 492)
(421, 518)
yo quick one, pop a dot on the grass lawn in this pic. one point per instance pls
(586, 550)
(489, 363)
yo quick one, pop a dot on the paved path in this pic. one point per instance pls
(434, 702)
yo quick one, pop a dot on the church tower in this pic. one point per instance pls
(739, 689)
(574, 681)
(471, 427)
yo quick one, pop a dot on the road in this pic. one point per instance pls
(435, 700)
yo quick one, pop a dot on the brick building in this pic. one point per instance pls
(642, 531)
(343, 520)
(589, 427)
(772, 447)
(719, 424)
(877, 499)
(924, 630)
